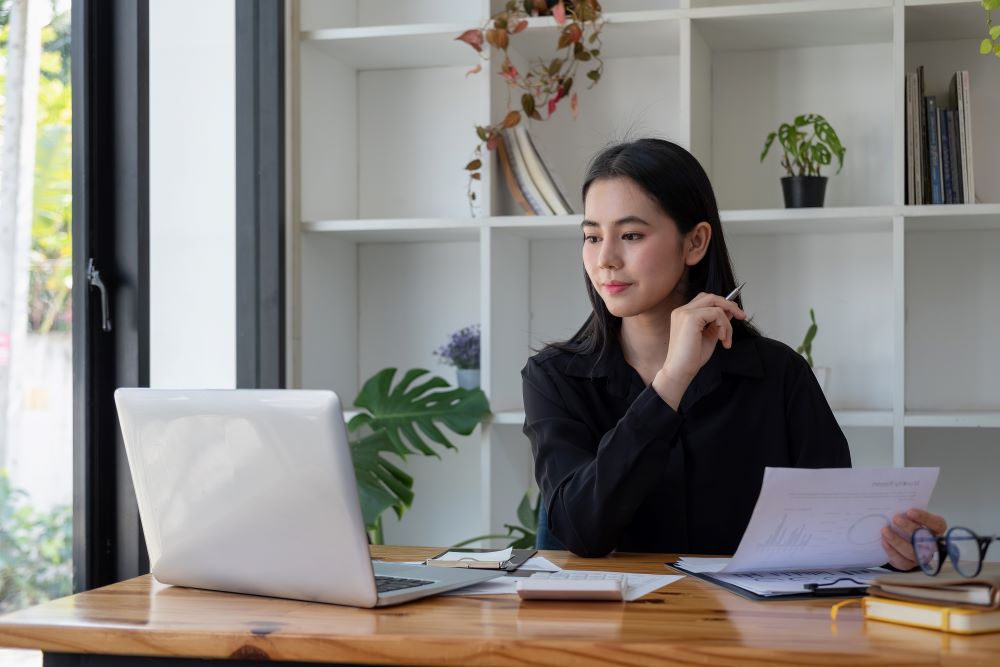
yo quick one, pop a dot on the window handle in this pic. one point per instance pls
(94, 279)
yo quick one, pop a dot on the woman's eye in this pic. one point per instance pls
(632, 236)
(590, 239)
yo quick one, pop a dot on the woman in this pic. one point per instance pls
(651, 427)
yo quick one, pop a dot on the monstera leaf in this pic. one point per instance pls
(404, 420)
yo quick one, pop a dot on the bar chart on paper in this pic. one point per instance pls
(786, 536)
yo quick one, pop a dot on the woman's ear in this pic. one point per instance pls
(696, 243)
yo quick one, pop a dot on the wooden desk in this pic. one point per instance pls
(688, 622)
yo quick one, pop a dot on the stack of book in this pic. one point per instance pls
(939, 143)
(946, 602)
(529, 180)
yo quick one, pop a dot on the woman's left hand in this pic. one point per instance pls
(896, 536)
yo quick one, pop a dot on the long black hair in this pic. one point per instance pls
(676, 181)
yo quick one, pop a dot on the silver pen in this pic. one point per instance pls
(736, 292)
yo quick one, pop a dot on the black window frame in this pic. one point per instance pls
(110, 76)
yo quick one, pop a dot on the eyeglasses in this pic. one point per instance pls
(963, 547)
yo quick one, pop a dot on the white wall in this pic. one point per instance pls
(192, 195)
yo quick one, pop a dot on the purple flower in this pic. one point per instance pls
(462, 350)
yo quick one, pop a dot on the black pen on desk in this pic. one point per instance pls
(736, 292)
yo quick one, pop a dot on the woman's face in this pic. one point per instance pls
(633, 252)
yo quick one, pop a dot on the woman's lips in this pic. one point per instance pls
(615, 288)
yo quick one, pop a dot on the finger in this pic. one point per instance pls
(935, 522)
(896, 559)
(904, 525)
(724, 328)
(901, 547)
(704, 299)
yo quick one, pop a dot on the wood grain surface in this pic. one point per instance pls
(689, 622)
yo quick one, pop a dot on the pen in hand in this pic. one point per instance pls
(736, 292)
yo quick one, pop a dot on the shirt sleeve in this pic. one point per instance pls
(592, 484)
(814, 436)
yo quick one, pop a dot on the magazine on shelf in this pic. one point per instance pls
(523, 176)
(540, 174)
(508, 172)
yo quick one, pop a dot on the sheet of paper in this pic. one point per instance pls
(502, 555)
(827, 518)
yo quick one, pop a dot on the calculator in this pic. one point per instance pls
(570, 585)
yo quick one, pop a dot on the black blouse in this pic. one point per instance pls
(618, 468)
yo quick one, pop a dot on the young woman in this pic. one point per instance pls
(651, 427)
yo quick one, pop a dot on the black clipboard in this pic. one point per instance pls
(844, 592)
(518, 557)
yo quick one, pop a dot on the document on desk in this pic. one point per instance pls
(827, 518)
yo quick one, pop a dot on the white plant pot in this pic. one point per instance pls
(468, 378)
(822, 375)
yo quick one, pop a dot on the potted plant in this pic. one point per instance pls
(805, 349)
(805, 152)
(462, 352)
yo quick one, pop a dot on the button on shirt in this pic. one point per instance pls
(619, 469)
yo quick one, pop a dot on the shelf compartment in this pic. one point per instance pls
(950, 318)
(794, 25)
(932, 419)
(944, 38)
(783, 61)
(369, 155)
(944, 20)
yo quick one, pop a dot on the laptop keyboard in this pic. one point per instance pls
(389, 584)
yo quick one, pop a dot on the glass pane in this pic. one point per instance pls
(36, 415)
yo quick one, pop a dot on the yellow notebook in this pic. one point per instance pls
(949, 619)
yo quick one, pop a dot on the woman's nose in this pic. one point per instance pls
(609, 257)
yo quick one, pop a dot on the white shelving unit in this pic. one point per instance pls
(387, 259)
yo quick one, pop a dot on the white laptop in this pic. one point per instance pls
(253, 491)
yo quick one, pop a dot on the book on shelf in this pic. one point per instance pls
(512, 183)
(520, 168)
(923, 154)
(934, 149)
(913, 189)
(947, 155)
(958, 99)
(539, 173)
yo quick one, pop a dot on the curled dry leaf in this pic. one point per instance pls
(473, 38)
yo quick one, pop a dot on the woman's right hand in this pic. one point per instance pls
(695, 329)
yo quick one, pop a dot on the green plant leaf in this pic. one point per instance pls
(985, 46)
(381, 484)
(526, 514)
(995, 32)
(397, 409)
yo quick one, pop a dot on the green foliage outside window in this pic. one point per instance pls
(36, 549)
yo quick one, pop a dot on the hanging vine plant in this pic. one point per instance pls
(546, 83)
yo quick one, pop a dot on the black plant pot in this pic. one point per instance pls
(803, 191)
